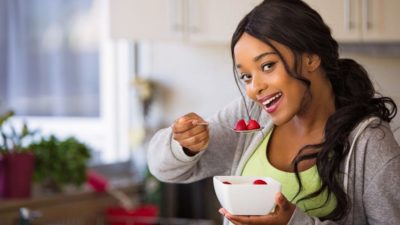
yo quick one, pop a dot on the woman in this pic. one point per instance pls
(326, 135)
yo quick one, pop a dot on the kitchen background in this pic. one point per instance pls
(111, 73)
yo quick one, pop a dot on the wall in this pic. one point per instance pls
(192, 78)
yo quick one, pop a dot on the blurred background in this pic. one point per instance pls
(92, 80)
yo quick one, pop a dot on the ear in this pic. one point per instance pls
(311, 62)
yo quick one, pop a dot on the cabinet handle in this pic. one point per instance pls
(176, 15)
(348, 23)
(193, 17)
(366, 22)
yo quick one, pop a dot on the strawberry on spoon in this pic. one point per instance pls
(241, 125)
(253, 125)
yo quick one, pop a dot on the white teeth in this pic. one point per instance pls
(273, 98)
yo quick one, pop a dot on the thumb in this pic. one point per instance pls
(281, 201)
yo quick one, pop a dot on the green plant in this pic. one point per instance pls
(4, 141)
(60, 162)
(13, 140)
(152, 189)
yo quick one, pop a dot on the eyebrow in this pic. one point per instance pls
(257, 58)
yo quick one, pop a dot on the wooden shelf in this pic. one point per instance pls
(84, 208)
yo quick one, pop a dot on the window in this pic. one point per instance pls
(58, 73)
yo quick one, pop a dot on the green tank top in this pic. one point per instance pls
(258, 165)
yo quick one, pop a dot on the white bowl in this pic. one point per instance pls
(242, 197)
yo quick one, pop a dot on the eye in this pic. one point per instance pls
(245, 77)
(267, 66)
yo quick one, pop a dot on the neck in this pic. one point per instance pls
(318, 107)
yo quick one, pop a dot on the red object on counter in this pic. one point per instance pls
(97, 181)
(18, 171)
(146, 214)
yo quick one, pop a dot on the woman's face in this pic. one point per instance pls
(266, 79)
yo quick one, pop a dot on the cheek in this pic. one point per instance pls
(293, 94)
(295, 98)
(297, 91)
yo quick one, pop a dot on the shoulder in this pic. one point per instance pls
(379, 134)
(377, 144)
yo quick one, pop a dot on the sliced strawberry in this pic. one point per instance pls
(252, 125)
(259, 182)
(226, 182)
(241, 125)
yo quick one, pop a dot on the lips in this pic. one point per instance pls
(271, 102)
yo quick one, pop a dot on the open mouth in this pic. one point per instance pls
(271, 101)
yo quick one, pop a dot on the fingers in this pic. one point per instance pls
(189, 134)
(282, 214)
(247, 220)
(223, 211)
(186, 123)
(228, 216)
(240, 220)
(284, 209)
(193, 141)
(281, 202)
(188, 130)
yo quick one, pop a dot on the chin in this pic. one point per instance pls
(277, 121)
(280, 119)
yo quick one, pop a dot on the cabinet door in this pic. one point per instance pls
(381, 20)
(342, 16)
(149, 19)
(211, 21)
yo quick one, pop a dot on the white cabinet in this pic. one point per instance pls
(208, 21)
(381, 20)
(216, 20)
(149, 19)
(361, 20)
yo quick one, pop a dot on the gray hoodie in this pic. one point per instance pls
(372, 169)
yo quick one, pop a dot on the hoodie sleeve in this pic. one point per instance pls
(382, 197)
(301, 218)
(168, 163)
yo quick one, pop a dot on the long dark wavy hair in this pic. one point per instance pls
(294, 24)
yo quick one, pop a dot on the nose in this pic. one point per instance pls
(258, 84)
